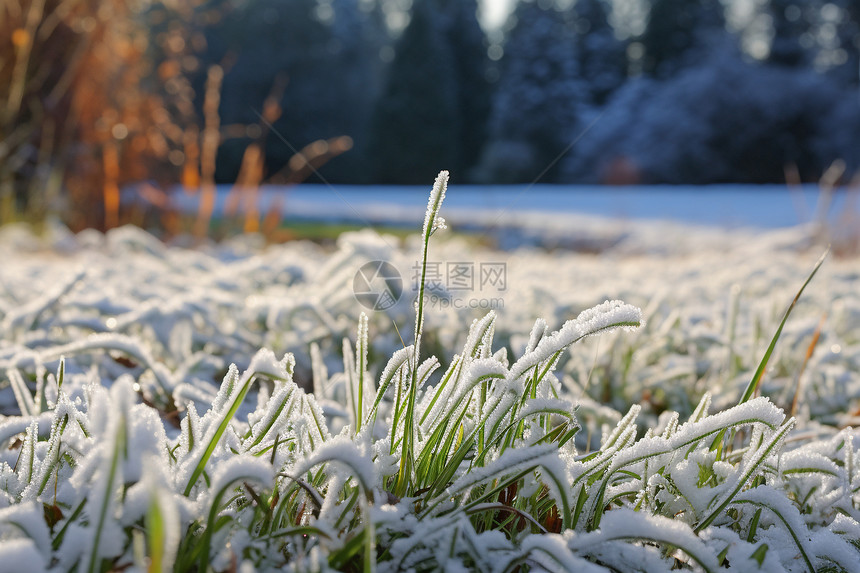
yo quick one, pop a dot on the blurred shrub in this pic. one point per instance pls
(98, 95)
(74, 114)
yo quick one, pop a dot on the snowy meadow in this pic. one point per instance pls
(242, 407)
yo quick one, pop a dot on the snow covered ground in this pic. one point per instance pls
(578, 217)
(163, 324)
(723, 206)
(712, 299)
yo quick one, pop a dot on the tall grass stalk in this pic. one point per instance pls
(432, 222)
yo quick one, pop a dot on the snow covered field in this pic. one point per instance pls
(724, 206)
(149, 332)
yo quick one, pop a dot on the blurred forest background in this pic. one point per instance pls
(98, 97)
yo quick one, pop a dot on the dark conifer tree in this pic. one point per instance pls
(468, 46)
(602, 57)
(538, 98)
(432, 113)
(679, 32)
(789, 24)
(416, 121)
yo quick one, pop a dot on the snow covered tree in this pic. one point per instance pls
(536, 105)
(726, 120)
(610, 152)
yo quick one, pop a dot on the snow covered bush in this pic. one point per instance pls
(706, 110)
(121, 457)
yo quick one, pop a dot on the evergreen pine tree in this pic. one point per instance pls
(466, 39)
(819, 33)
(788, 25)
(433, 110)
(353, 73)
(847, 65)
(679, 32)
(602, 57)
(537, 101)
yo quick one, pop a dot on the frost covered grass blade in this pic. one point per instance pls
(432, 223)
(759, 373)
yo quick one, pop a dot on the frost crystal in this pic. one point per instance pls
(432, 221)
(610, 315)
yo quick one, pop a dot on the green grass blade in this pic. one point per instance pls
(795, 535)
(238, 470)
(395, 363)
(155, 536)
(431, 223)
(101, 513)
(768, 448)
(759, 373)
(360, 369)
(230, 406)
(26, 403)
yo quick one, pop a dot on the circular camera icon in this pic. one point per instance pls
(377, 285)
